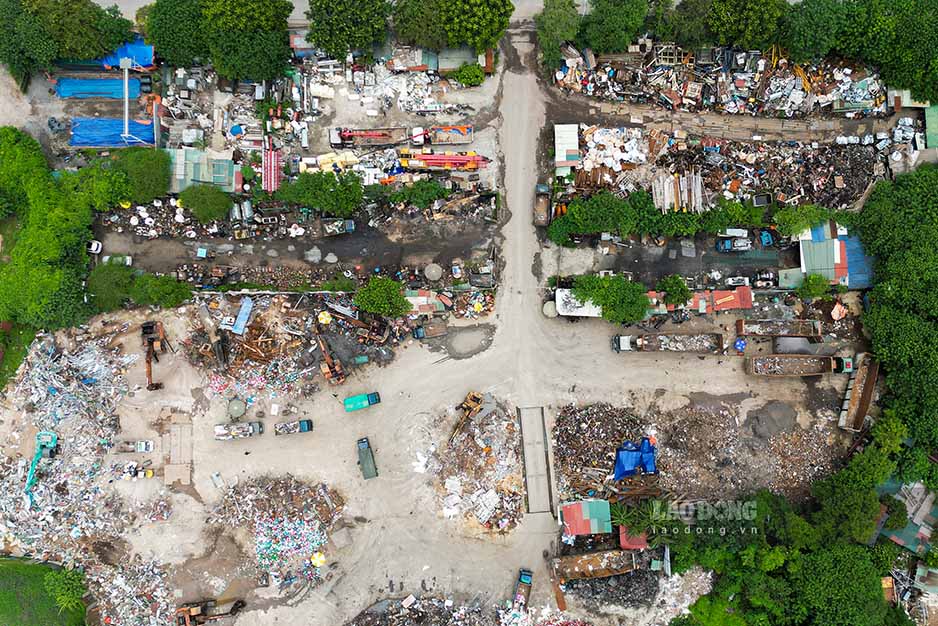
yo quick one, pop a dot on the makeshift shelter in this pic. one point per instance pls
(190, 166)
(829, 250)
(632, 457)
(586, 517)
(566, 148)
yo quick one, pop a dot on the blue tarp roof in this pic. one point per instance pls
(102, 132)
(859, 265)
(244, 314)
(140, 53)
(96, 88)
(631, 457)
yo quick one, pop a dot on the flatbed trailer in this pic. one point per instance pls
(296, 426)
(810, 329)
(699, 343)
(859, 395)
(367, 137)
(449, 135)
(778, 365)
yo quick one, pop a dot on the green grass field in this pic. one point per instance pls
(23, 599)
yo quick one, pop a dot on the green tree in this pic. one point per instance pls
(675, 290)
(746, 23)
(660, 19)
(470, 75)
(248, 38)
(340, 26)
(26, 46)
(208, 203)
(161, 291)
(814, 286)
(611, 25)
(689, 23)
(96, 186)
(147, 170)
(557, 23)
(382, 296)
(81, 28)
(66, 587)
(709, 611)
(476, 23)
(622, 300)
(176, 30)
(602, 212)
(421, 194)
(339, 195)
(812, 29)
(109, 286)
(793, 220)
(839, 585)
(420, 23)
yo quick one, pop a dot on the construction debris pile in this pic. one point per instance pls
(74, 392)
(585, 442)
(634, 589)
(722, 79)
(830, 175)
(480, 474)
(289, 520)
(411, 611)
(474, 304)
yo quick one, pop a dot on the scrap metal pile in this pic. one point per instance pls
(289, 521)
(637, 588)
(830, 175)
(585, 442)
(722, 79)
(74, 393)
(480, 474)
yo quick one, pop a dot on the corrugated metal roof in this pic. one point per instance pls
(931, 126)
(566, 145)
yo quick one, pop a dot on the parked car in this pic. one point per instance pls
(765, 280)
(737, 281)
(95, 247)
(734, 245)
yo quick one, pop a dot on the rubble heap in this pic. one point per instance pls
(74, 393)
(480, 474)
(585, 442)
(411, 611)
(289, 520)
(637, 588)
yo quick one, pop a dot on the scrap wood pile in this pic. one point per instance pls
(289, 520)
(585, 443)
(74, 393)
(480, 474)
(725, 80)
(830, 175)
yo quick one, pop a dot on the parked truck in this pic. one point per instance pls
(296, 426)
(541, 205)
(237, 430)
(367, 137)
(141, 446)
(366, 459)
(361, 401)
(519, 602)
(797, 365)
(810, 329)
(701, 343)
(859, 394)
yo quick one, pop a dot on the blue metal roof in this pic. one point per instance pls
(859, 265)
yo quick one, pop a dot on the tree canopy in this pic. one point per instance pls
(675, 290)
(147, 171)
(382, 296)
(176, 30)
(420, 23)
(207, 202)
(26, 46)
(340, 26)
(621, 300)
(476, 23)
(338, 195)
(746, 23)
(611, 25)
(248, 39)
(81, 28)
(557, 23)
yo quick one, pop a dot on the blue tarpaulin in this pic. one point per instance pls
(103, 132)
(140, 53)
(244, 314)
(96, 88)
(631, 457)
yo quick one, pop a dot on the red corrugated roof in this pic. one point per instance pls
(632, 543)
(573, 521)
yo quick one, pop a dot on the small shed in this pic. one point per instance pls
(586, 517)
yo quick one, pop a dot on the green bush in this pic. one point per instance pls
(66, 587)
(814, 286)
(109, 286)
(675, 290)
(898, 517)
(147, 170)
(338, 195)
(621, 300)
(421, 194)
(470, 75)
(383, 296)
(207, 202)
(161, 291)
(339, 283)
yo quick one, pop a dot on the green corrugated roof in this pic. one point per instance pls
(818, 257)
(931, 126)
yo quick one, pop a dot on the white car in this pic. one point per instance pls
(737, 281)
(95, 247)
(119, 259)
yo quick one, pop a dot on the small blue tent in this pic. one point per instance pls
(631, 457)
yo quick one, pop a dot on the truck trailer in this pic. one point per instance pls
(237, 430)
(700, 343)
(797, 365)
(367, 137)
(296, 426)
(810, 329)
